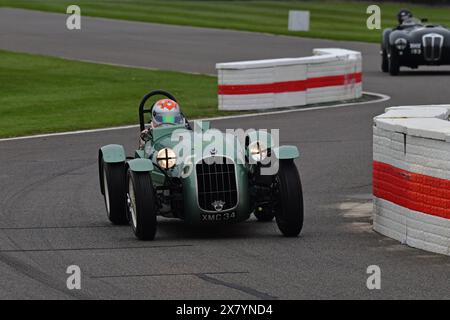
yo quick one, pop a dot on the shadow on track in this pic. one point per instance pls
(417, 73)
(252, 229)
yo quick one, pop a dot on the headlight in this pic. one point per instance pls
(258, 151)
(401, 44)
(166, 158)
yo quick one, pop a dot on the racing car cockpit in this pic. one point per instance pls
(407, 20)
(404, 15)
(164, 112)
(410, 22)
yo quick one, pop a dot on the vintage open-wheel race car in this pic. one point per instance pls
(413, 43)
(219, 180)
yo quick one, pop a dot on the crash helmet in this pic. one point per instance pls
(166, 112)
(404, 15)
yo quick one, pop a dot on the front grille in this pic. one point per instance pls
(432, 46)
(216, 184)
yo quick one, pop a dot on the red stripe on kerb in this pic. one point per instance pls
(412, 190)
(290, 86)
(277, 87)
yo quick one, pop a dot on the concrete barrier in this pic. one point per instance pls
(411, 176)
(328, 75)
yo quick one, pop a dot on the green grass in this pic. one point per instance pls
(340, 20)
(41, 95)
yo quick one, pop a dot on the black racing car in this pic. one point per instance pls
(414, 43)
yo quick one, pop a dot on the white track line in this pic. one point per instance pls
(257, 114)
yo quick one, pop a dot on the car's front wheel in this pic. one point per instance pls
(394, 64)
(289, 199)
(113, 177)
(141, 205)
(384, 61)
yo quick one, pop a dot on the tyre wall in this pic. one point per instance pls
(411, 176)
(328, 75)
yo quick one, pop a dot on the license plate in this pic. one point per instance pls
(216, 217)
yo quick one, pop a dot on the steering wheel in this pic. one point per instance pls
(143, 111)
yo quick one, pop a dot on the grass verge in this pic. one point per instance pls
(43, 95)
(339, 20)
(46, 95)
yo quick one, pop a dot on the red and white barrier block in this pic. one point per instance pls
(411, 176)
(328, 75)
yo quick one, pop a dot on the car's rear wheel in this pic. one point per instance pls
(384, 61)
(141, 205)
(289, 199)
(114, 191)
(394, 64)
(264, 214)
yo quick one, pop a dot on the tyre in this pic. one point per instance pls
(384, 61)
(141, 205)
(113, 177)
(265, 214)
(289, 199)
(394, 64)
(385, 50)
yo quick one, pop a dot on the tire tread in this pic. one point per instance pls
(116, 179)
(290, 220)
(145, 205)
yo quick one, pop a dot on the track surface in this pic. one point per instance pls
(52, 214)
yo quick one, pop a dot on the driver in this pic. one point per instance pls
(403, 16)
(165, 112)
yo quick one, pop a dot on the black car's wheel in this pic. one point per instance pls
(384, 50)
(384, 61)
(114, 191)
(264, 214)
(141, 205)
(394, 64)
(289, 199)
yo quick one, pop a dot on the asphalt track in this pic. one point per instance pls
(52, 214)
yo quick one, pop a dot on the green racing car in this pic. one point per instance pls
(200, 175)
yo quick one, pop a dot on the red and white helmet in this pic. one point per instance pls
(166, 112)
